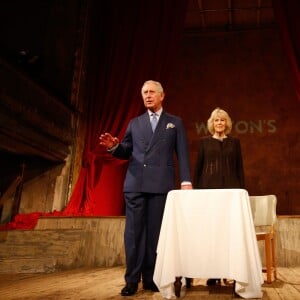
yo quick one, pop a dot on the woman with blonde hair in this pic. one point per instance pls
(219, 162)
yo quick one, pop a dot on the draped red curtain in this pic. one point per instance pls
(128, 44)
(287, 13)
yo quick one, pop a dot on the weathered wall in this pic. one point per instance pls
(66, 243)
(39, 109)
(247, 74)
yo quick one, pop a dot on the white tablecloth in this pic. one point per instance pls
(208, 234)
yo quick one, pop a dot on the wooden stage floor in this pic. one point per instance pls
(106, 283)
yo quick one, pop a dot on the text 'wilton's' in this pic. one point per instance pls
(242, 127)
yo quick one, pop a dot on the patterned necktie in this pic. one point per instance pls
(153, 121)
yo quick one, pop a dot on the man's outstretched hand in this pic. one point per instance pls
(108, 141)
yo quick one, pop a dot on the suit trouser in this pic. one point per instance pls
(144, 212)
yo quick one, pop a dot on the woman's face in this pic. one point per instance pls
(219, 124)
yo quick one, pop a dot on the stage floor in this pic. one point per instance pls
(106, 283)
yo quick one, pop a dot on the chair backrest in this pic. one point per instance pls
(263, 209)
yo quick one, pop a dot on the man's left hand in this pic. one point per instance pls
(186, 187)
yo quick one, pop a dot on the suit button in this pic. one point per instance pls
(145, 165)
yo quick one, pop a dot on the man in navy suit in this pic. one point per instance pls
(150, 176)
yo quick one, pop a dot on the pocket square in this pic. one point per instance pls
(170, 125)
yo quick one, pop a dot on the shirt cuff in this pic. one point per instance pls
(186, 183)
(112, 149)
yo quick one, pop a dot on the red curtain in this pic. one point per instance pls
(128, 44)
(287, 13)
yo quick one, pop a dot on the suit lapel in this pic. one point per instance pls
(145, 127)
(160, 125)
(152, 138)
(159, 131)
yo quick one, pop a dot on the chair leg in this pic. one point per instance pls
(268, 254)
(234, 293)
(274, 258)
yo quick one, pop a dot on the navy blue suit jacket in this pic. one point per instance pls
(151, 156)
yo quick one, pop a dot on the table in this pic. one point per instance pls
(208, 234)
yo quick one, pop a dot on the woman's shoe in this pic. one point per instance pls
(213, 281)
(228, 281)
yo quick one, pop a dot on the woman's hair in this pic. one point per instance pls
(218, 112)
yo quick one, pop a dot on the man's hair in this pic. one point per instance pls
(158, 85)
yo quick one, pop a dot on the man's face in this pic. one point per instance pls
(152, 97)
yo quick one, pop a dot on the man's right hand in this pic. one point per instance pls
(108, 141)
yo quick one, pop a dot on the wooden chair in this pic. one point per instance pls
(264, 217)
